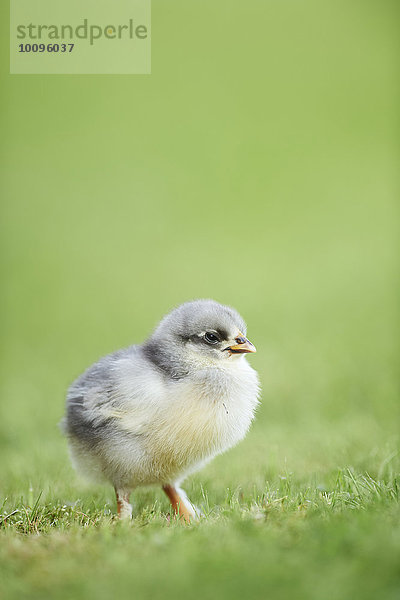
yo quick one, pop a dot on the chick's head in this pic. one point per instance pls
(197, 334)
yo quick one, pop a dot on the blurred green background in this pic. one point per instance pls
(256, 165)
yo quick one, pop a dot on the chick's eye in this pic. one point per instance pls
(211, 338)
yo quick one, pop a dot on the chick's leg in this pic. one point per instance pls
(180, 503)
(124, 509)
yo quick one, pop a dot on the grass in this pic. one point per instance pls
(347, 490)
(340, 539)
(257, 165)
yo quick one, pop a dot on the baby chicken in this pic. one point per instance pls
(154, 413)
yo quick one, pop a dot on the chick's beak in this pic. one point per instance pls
(242, 345)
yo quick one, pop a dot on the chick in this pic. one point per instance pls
(156, 412)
